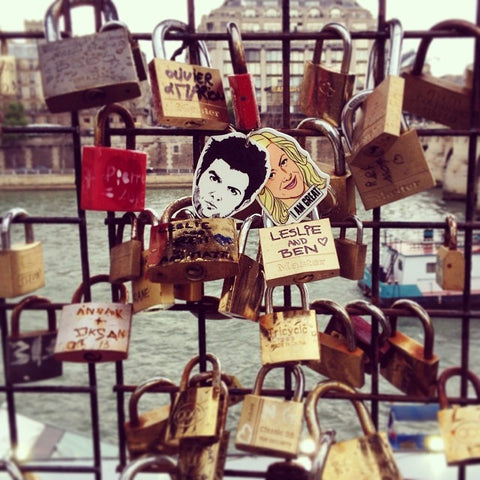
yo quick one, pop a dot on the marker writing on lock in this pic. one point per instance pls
(296, 231)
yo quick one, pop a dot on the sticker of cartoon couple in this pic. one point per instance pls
(266, 165)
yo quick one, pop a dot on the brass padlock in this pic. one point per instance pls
(29, 355)
(367, 457)
(90, 70)
(324, 90)
(185, 95)
(409, 365)
(435, 99)
(126, 257)
(196, 411)
(148, 296)
(194, 249)
(341, 179)
(450, 266)
(352, 254)
(459, 425)
(21, 264)
(149, 463)
(289, 335)
(269, 425)
(340, 358)
(146, 433)
(242, 294)
(8, 72)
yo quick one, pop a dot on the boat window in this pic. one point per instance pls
(430, 266)
(400, 265)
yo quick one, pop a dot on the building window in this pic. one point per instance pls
(252, 55)
(430, 267)
(271, 12)
(274, 55)
(314, 12)
(271, 27)
(249, 12)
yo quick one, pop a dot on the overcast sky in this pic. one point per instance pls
(446, 56)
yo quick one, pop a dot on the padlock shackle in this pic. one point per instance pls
(450, 239)
(101, 278)
(320, 390)
(346, 38)
(333, 135)
(55, 11)
(325, 306)
(147, 216)
(7, 220)
(304, 297)
(101, 124)
(348, 113)
(216, 373)
(419, 312)
(142, 388)
(160, 463)
(31, 301)
(357, 223)
(245, 230)
(297, 373)
(127, 218)
(237, 52)
(457, 25)
(451, 372)
(174, 207)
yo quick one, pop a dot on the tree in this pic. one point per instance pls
(14, 115)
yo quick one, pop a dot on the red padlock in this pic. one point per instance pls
(245, 108)
(113, 179)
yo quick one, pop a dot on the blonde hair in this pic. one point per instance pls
(278, 208)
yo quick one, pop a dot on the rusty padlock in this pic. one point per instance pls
(450, 266)
(242, 294)
(269, 425)
(409, 365)
(113, 179)
(126, 257)
(186, 95)
(94, 331)
(30, 353)
(340, 357)
(289, 335)
(21, 264)
(341, 179)
(352, 254)
(242, 88)
(148, 296)
(90, 70)
(325, 90)
(145, 433)
(435, 99)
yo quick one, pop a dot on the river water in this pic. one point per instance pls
(163, 342)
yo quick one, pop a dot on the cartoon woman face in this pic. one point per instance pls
(221, 189)
(286, 180)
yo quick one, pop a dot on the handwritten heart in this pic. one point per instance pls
(322, 240)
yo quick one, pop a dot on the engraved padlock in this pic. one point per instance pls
(450, 266)
(148, 296)
(325, 90)
(21, 264)
(340, 357)
(269, 425)
(186, 95)
(30, 353)
(242, 88)
(289, 335)
(437, 99)
(242, 294)
(409, 365)
(113, 179)
(126, 256)
(90, 70)
(352, 254)
(341, 179)
(8, 72)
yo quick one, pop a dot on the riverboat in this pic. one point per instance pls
(407, 270)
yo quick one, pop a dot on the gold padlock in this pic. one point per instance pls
(352, 254)
(409, 365)
(148, 296)
(126, 257)
(269, 425)
(341, 179)
(324, 90)
(367, 457)
(21, 264)
(450, 266)
(340, 358)
(435, 99)
(459, 425)
(146, 433)
(242, 294)
(289, 335)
